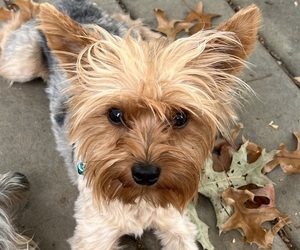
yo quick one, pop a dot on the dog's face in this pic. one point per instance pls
(144, 114)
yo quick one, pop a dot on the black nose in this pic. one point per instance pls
(145, 174)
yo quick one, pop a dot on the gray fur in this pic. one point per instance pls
(85, 12)
(12, 64)
(12, 189)
(28, 42)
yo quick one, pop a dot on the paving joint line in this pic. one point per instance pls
(235, 7)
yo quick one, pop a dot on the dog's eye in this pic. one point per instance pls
(179, 120)
(116, 116)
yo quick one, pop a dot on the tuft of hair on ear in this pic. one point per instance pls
(244, 25)
(65, 37)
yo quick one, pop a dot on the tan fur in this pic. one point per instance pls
(5, 14)
(102, 230)
(245, 26)
(150, 81)
(79, 36)
(14, 64)
(27, 10)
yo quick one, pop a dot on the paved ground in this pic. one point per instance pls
(28, 145)
(280, 29)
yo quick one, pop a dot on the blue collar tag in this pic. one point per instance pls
(80, 168)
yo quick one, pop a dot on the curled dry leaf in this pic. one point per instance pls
(222, 158)
(170, 28)
(213, 184)
(250, 220)
(203, 20)
(288, 161)
(253, 150)
(223, 150)
(264, 196)
(273, 125)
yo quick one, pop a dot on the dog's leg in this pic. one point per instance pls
(93, 236)
(21, 58)
(97, 228)
(176, 232)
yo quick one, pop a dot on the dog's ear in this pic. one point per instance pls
(244, 24)
(65, 37)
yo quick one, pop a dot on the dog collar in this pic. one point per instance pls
(80, 168)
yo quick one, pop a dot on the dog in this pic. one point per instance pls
(134, 116)
(13, 188)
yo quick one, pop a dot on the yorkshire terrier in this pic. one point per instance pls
(13, 188)
(134, 116)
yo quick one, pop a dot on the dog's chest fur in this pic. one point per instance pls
(117, 219)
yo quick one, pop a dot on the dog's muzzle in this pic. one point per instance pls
(145, 174)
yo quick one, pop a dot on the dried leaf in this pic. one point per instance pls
(264, 196)
(253, 150)
(273, 125)
(170, 28)
(250, 220)
(288, 161)
(222, 158)
(223, 150)
(202, 228)
(203, 20)
(241, 173)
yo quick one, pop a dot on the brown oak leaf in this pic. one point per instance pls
(288, 161)
(250, 220)
(223, 150)
(253, 150)
(264, 196)
(203, 20)
(170, 28)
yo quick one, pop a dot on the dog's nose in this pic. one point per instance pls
(145, 174)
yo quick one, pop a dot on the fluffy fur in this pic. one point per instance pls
(15, 65)
(173, 98)
(13, 188)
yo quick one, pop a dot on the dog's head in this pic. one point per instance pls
(144, 114)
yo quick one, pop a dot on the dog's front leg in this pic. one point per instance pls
(94, 233)
(176, 232)
(96, 226)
